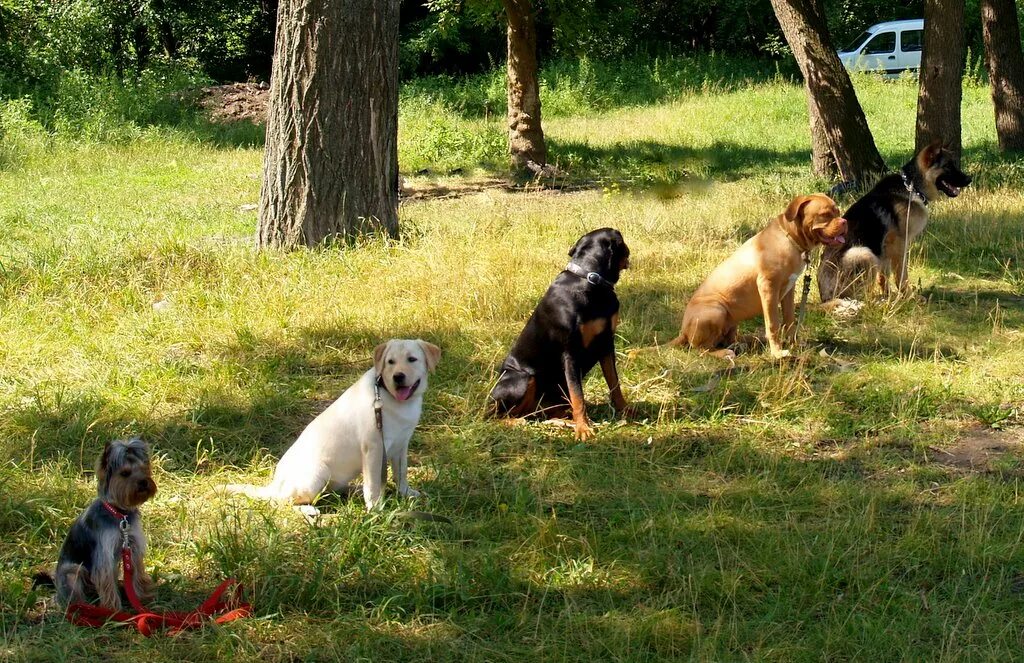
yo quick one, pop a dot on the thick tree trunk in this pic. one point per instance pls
(840, 137)
(942, 70)
(330, 167)
(822, 162)
(525, 135)
(1005, 62)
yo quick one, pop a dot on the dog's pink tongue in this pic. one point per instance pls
(403, 393)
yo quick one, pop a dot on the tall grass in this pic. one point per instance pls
(794, 511)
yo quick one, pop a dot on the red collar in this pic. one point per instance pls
(113, 511)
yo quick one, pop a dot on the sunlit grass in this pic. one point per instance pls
(785, 512)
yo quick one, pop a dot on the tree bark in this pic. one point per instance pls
(525, 135)
(1005, 61)
(840, 137)
(942, 69)
(330, 166)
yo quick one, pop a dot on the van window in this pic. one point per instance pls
(910, 41)
(884, 42)
(856, 42)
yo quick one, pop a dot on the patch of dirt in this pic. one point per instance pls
(978, 447)
(236, 102)
(417, 189)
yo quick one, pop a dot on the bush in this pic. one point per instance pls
(81, 105)
(580, 86)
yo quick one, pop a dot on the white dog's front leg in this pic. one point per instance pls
(400, 470)
(373, 486)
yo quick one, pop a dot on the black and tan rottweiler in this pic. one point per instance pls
(884, 221)
(571, 330)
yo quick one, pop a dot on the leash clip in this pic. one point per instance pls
(125, 539)
(378, 406)
(594, 278)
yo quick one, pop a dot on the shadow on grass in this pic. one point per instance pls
(655, 165)
(582, 541)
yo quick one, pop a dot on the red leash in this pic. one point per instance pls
(215, 609)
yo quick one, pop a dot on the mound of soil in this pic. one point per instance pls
(978, 447)
(237, 102)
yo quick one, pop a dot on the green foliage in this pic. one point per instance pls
(87, 106)
(581, 86)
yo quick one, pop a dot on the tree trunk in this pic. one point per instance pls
(1005, 62)
(942, 70)
(164, 28)
(822, 162)
(525, 135)
(330, 167)
(840, 137)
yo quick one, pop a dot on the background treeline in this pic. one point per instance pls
(232, 40)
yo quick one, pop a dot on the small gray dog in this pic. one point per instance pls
(91, 554)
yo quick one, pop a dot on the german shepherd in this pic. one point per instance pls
(884, 221)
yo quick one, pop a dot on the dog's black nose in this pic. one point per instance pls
(399, 378)
(143, 484)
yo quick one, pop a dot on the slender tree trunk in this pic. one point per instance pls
(840, 137)
(164, 28)
(525, 135)
(1005, 62)
(942, 70)
(330, 168)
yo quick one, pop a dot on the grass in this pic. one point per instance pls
(783, 512)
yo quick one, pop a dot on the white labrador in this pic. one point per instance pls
(344, 442)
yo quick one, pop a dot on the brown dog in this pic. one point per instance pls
(760, 278)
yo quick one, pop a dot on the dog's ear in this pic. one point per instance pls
(576, 246)
(930, 154)
(101, 468)
(378, 357)
(792, 212)
(432, 353)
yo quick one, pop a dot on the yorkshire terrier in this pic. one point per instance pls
(91, 554)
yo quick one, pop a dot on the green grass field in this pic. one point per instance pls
(821, 509)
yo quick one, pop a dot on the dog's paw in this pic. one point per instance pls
(584, 431)
(146, 588)
(781, 354)
(308, 511)
(410, 492)
(727, 354)
(629, 412)
(843, 309)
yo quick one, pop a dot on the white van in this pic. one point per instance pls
(890, 48)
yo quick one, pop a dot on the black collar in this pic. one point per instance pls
(592, 278)
(912, 188)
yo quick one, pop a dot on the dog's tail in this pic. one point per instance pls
(680, 341)
(43, 579)
(267, 492)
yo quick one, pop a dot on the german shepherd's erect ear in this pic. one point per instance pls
(930, 154)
